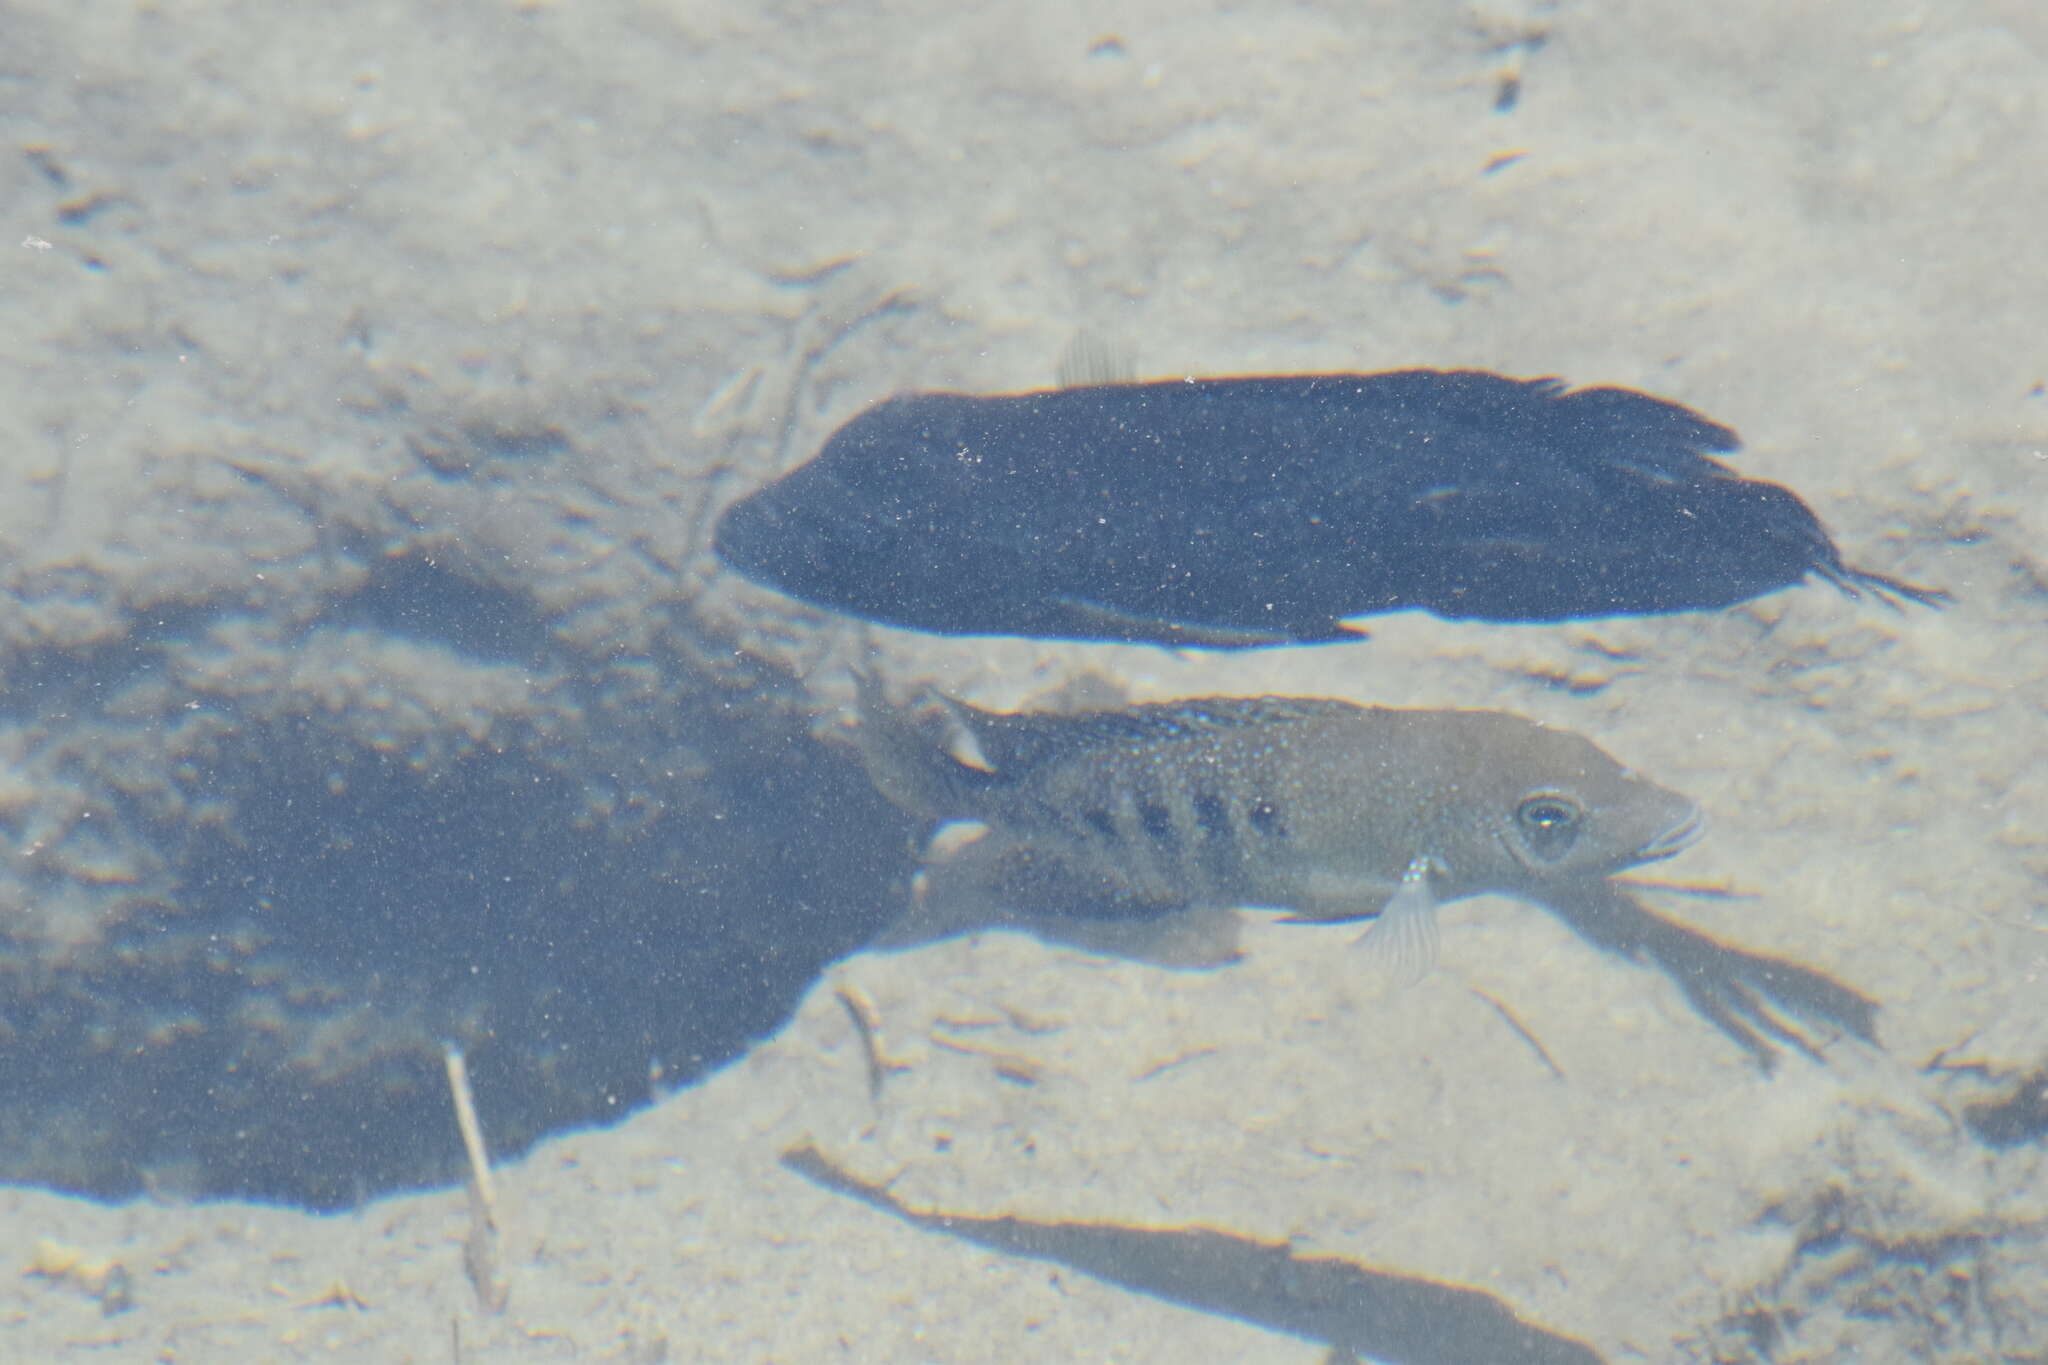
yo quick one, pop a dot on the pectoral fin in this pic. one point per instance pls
(1402, 943)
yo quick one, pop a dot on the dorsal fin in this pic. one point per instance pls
(1091, 359)
(1014, 744)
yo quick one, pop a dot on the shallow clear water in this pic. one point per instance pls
(368, 688)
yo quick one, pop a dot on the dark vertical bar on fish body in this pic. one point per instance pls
(1157, 822)
(1148, 857)
(1214, 854)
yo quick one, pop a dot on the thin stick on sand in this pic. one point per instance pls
(472, 1131)
(480, 1249)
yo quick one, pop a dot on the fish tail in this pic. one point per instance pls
(913, 771)
(1854, 582)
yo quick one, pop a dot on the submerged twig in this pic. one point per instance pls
(480, 1249)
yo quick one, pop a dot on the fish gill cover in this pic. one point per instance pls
(1236, 512)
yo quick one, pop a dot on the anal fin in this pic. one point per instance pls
(1193, 939)
(954, 896)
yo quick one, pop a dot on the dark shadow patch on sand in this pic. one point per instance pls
(594, 922)
(1754, 998)
(2021, 1117)
(1353, 1309)
(415, 598)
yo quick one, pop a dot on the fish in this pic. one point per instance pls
(1141, 831)
(1235, 512)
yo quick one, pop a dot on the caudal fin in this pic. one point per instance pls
(1854, 582)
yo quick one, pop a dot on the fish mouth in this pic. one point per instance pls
(1675, 840)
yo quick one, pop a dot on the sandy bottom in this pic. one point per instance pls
(350, 253)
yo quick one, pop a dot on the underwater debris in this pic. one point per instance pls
(481, 1259)
(1235, 512)
(102, 1279)
(1352, 1308)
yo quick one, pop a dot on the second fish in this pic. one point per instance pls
(1138, 832)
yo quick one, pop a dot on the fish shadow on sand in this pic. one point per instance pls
(1358, 1311)
(1752, 997)
(1353, 1309)
(1270, 509)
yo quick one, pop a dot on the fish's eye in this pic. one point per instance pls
(1548, 812)
(1550, 822)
